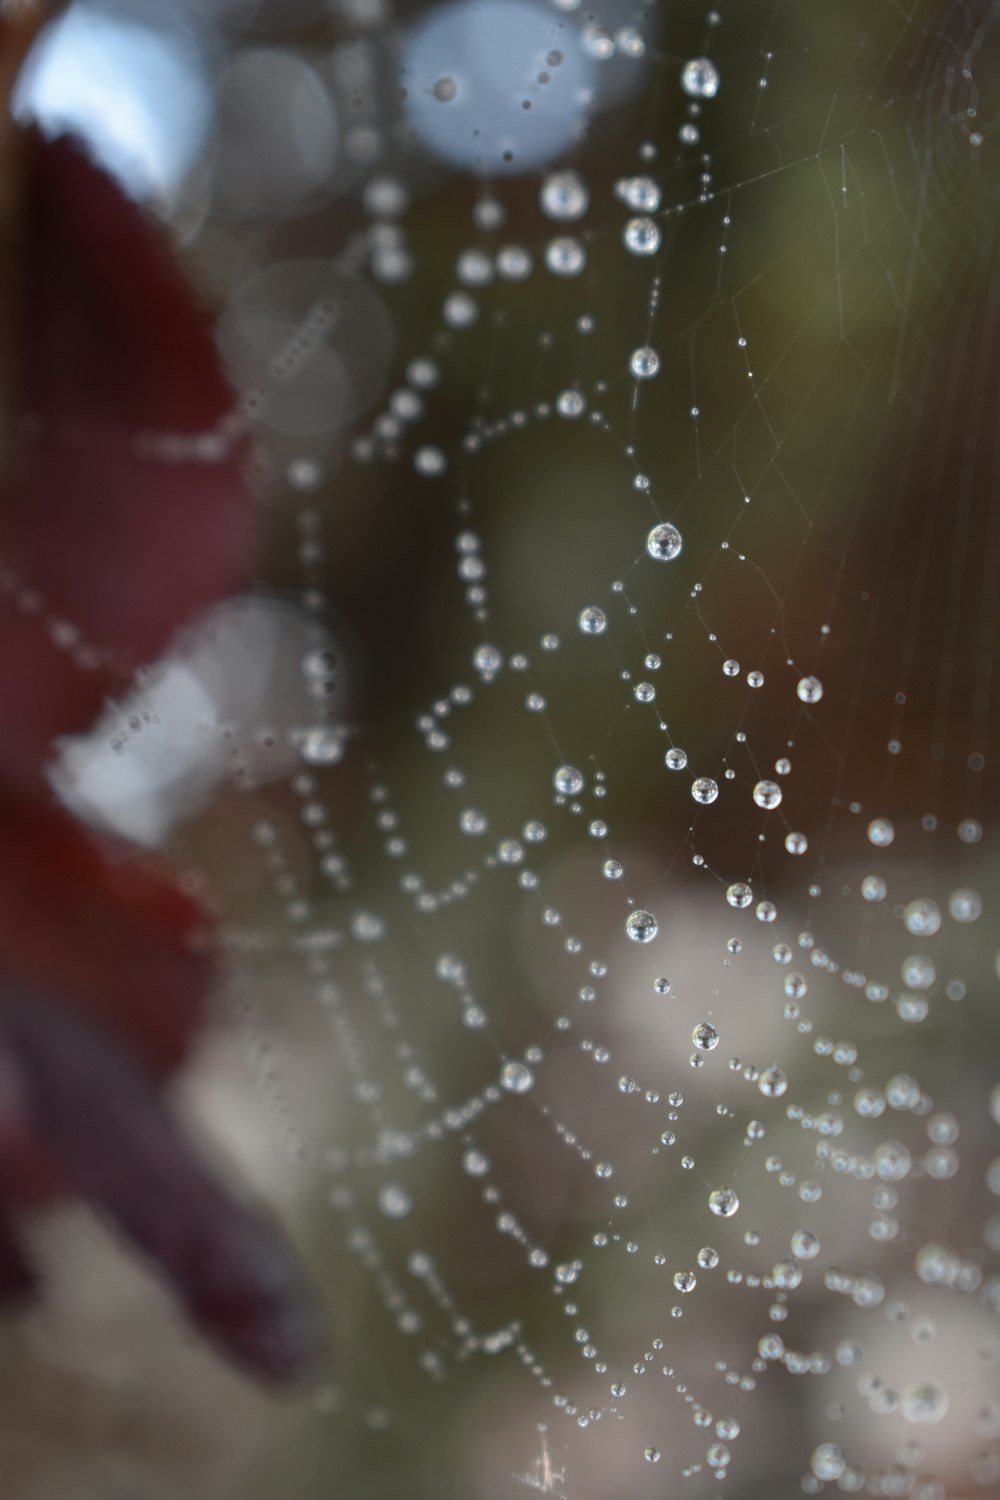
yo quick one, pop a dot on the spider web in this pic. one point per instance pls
(615, 964)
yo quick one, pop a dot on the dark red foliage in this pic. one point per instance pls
(115, 358)
(123, 512)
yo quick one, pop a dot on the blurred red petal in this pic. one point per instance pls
(123, 512)
(128, 547)
(113, 333)
(112, 940)
(121, 507)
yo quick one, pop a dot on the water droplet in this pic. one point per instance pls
(892, 1161)
(700, 78)
(787, 1274)
(430, 461)
(965, 905)
(772, 1083)
(513, 263)
(918, 971)
(568, 780)
(570, 404)
(565, 256)
(641, 926)
(598, 41)
(644, 362)
(923, 1401)
(592, 621)
(487, 659)
(642, 194)
(664, 542)
(724, 1202)
(828, 1461)
(564, 196)
(394, 1201)
(642, 236)
(319, 663)
(367, 927)
(922, 917)
(739, 894)
(516, 1077)
(322, 746)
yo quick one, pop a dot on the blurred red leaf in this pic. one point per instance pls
(124, 507)
(124, 511)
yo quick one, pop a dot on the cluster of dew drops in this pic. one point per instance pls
(565, 198)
